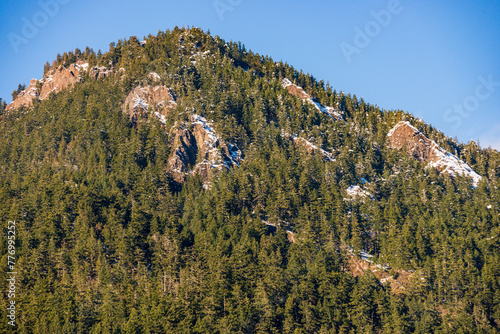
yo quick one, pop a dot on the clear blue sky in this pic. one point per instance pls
(439, 60)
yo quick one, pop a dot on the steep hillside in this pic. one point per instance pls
(184, 184)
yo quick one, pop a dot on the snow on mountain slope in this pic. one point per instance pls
(299, 92)
(406, 136)
(309, 147)
(358, 192)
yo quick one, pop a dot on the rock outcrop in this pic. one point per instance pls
(55, 80)
(406, 137)
(198, 146)
(154, 76)
(400, 281)
(295, 90)
(25, 98)
(143, 100)
(60, 78)
(101, 72)
(312, 149)
(300, 93)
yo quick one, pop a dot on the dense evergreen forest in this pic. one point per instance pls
(107, 242)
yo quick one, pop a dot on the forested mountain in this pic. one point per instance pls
(184, 184)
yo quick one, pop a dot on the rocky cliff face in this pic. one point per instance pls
(295, 90)
(300, 93)
(143, 100)
(101, 72)
(55, 80)
(405, 136)
(58, 79)
(197, 148)
(197, 145)
(25, 98)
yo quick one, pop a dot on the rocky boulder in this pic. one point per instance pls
(154, 77)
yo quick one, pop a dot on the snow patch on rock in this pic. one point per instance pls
(154, 76)
(161, 117)
(299, 92)
(405, 135)
(310, 147)
(140, 103)
(358, 192)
